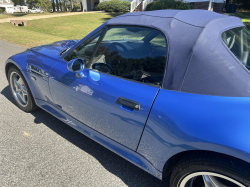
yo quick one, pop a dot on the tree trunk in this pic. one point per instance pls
(81, 6)
(53, 6)
(65, 7)
(71, 5)
(57, 5)
(60, 6)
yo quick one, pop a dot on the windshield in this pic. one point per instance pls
(128, 34)
(238, 41)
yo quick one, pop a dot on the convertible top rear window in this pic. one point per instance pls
(238, 41)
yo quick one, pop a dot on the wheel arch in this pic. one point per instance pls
(9, 63)
(173, 160)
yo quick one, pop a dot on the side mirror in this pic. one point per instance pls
(76, 66)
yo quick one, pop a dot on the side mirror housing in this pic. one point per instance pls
(76, 66)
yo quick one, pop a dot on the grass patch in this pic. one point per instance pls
(43, 31)
(244, 16)
(23, 37)
(3, 16)
(247, 25)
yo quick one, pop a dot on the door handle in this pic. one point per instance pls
(128, 103)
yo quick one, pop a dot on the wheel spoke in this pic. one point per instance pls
(207, 181)
(20, 81)
(19, 95)
(211, 181)
(16, 84)
(24, 91)
(23, 98)
(24, 95)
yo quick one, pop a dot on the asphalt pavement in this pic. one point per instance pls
(36, 149)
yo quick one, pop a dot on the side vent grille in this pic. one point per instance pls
(37, 70)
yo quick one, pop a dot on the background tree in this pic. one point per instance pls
(60, 5)
(57, 5)
(65, 4)
(32, 3)
(53, 5)
(18, 2)
(71, 5)
(242, 4)
(44, 4)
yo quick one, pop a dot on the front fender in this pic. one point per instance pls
(21, 66)
(181, 122)
(20, 61)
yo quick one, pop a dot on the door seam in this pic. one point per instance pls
(147, 119)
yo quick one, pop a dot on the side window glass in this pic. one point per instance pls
(238, 41)
(85, 49)
(135, 53)
(159, 40)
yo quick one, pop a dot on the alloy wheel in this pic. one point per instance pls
(19, 89)
(208, 179)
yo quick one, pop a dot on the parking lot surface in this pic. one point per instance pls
(36, 149)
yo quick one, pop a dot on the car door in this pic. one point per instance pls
(124, 70)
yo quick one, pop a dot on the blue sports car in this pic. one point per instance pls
(167, 90)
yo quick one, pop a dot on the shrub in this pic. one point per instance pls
(168, 4)
(114, 6)
(76, 7)
(1, 11)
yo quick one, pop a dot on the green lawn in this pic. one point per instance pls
(43, 31)
(3, 16)
(245, 17)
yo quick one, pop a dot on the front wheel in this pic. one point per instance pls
(210, 171)
(20, 90)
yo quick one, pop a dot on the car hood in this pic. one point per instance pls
(55, 49)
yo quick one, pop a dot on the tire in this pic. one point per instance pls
(194, 170)
(20, 90)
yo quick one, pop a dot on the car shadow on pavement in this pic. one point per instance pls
(126, 171)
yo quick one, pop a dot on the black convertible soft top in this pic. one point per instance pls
(198, 60)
